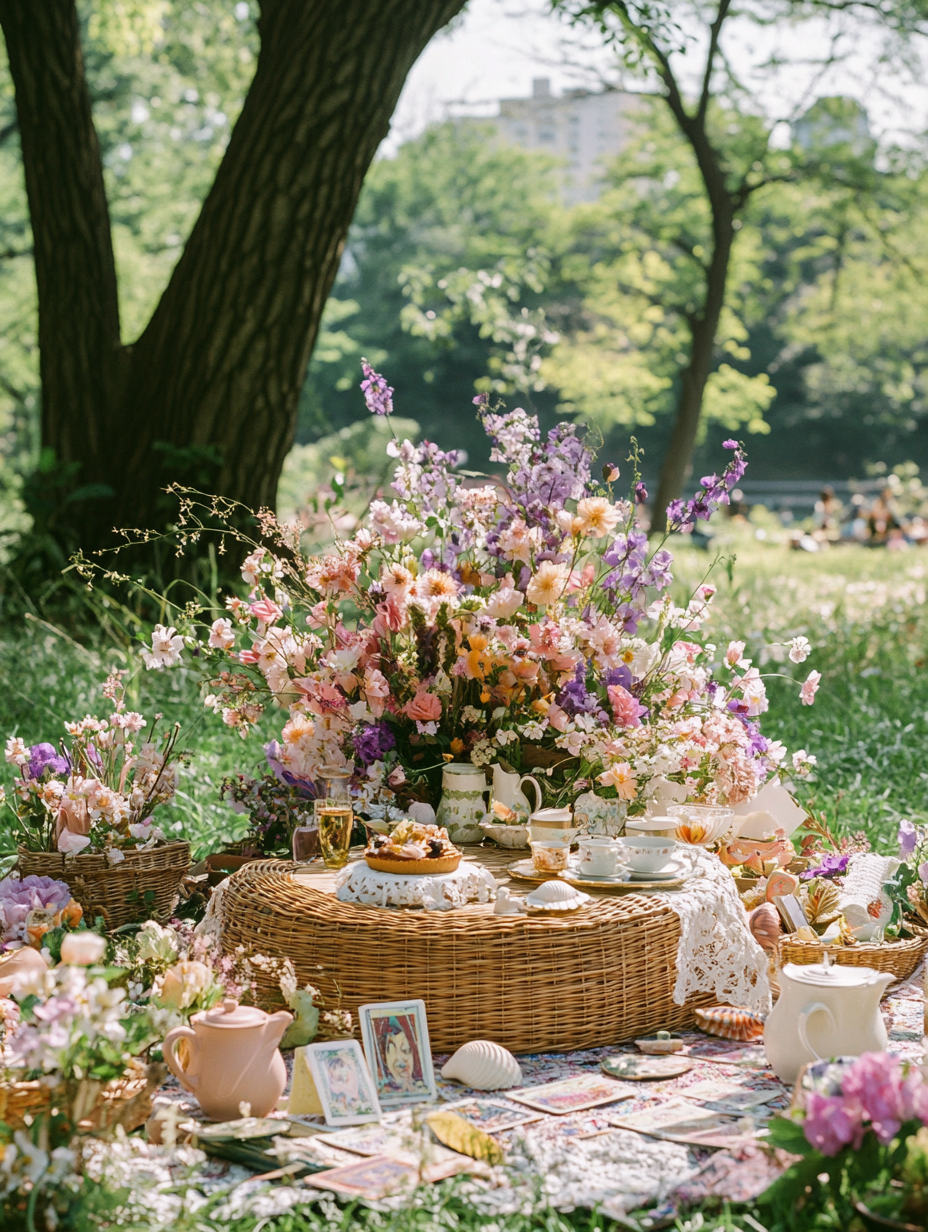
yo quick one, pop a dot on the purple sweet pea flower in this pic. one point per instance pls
(20, 896)
(306, 787)
(45, 757)
(372, 741)
(908, 838)
(641, 493)
(831, 866)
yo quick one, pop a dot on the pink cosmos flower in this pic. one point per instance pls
(424, 707)
(810, 688)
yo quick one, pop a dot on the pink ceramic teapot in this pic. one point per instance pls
(232, 1059)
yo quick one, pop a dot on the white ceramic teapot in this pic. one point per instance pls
(507, 789)
(824, 1011)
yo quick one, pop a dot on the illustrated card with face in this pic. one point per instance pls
(343, 1082)
(396, 1043)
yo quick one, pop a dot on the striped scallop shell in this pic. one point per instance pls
(729, 1022)
(483, 1066)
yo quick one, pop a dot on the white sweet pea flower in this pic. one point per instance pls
(166, 648)
(221, 634)
(16, 752)
(71, 843)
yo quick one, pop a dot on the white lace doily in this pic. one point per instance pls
(439, 892)
(717, 952)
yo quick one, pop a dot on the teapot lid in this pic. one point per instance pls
(831, 975)
(228, 1013)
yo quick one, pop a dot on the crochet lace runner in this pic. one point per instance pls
(716, 953)
(467, 884)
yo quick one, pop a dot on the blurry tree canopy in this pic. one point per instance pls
(115, 103)
(687, 55)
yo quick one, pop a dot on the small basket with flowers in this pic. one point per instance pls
(83, 813)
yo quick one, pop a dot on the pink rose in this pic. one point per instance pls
(424, 707)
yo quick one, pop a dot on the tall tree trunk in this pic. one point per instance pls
(703, 330)
(222, 361)
(79, 347)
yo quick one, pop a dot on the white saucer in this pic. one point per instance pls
(672, 869)
(618, 877)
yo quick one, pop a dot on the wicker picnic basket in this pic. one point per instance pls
(900, 958)
(124, 1102)
(533, 984)
(146, 885)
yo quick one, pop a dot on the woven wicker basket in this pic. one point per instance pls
(146, 885)
(900, 958)
(124, 1102)
(533, 984)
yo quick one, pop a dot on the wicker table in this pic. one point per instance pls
(534, 984)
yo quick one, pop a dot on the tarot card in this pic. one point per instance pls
(492, 1116)
(396, 1043)
(373, 1178)
(731, 1097)
(343, 1082)
(678, 1121)
(573, 1094)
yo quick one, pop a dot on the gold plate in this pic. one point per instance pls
(524, 870)
(621, 887)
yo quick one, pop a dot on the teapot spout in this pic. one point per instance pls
(882, 980)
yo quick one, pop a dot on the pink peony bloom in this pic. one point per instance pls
(810, 688)
(626, 709)
(830, 1123)
(424, 707)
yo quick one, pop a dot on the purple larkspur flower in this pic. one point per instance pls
(46, 758)
(372, 741)
(908, 838)
(575, 698)
(377, 393)
(715, 490)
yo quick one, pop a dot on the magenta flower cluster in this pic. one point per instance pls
(877, 1092)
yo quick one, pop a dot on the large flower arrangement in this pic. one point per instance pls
(98, 789)
(471, 618)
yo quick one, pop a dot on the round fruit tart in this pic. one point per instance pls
(413, 848)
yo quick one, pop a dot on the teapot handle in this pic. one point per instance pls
(188, 1081)
(527, 778)
(804, 1016)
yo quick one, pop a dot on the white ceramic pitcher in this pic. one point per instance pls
(824, 1011)
(463, 801)
(507, 789)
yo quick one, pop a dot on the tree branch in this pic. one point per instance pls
(715, 31)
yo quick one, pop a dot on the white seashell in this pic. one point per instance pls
(556, 896)
(483, 1066)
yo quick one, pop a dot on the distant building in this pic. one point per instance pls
(583, 129)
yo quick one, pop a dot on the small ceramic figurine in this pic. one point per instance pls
(507, 905)
(233, 1059)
